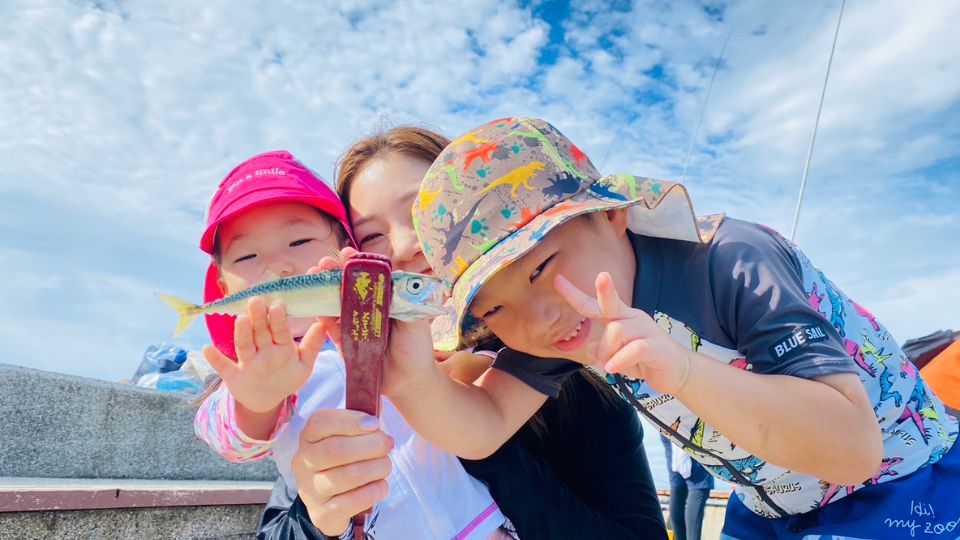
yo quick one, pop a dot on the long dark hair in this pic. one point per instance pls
(411, 141)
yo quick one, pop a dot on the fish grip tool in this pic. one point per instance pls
(364, 328)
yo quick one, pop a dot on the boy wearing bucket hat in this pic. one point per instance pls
(731, 342)
(272, 217)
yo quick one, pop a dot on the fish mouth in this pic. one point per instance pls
(416, 313)
(434, 304)
(409, 311)
(431, 310)
(427, 306)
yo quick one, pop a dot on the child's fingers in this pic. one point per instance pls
(583, 303)
(333, 262)
(224, 366)
(325, 264)
(611, 341)
(311, 343)
(330, 326)
(627, 360)
(611, 307)
(243, 339)
(257, 310)
(279, 325)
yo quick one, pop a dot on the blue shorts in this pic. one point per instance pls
(923, 505)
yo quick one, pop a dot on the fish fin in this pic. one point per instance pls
(187, 311)
(335, 253)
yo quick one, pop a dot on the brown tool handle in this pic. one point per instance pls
(364, 328)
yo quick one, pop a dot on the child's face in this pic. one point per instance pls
(273, 241)
(380, 199)
(521, 306)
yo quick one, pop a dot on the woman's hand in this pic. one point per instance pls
(341, 467)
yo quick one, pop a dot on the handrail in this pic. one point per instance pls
(45, 494)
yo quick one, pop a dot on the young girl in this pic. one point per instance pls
(270, 218)
(733, 343)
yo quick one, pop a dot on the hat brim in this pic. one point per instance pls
(252, 200)
(656, 208)
(220, 327)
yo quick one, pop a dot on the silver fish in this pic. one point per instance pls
(415, 296)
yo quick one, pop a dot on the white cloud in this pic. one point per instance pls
(121, 119)
(919, 305)
(79, 321)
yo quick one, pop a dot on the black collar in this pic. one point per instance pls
(649, 281)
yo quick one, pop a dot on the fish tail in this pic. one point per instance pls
(187, 311)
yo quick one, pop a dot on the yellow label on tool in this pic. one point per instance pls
(364, 321)
(355, 326)
(378, 290)
(362, 286)
(377, 322)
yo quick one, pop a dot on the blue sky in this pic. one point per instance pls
(120, 117)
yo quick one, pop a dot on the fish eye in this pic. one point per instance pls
(414, 285)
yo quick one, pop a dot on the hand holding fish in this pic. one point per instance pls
(270, 365)
(410, 349)
(409, 355)
(317, 294)
(330, 324)
(630, 341)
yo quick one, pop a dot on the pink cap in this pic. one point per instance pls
(265, 178)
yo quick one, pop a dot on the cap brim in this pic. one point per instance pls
(253, 199)
(657, 208)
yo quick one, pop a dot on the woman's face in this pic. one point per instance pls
(381, 197)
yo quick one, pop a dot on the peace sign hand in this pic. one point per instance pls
(630, 342)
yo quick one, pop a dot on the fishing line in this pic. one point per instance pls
(703, 110)
(615, 138)
(813, 140)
